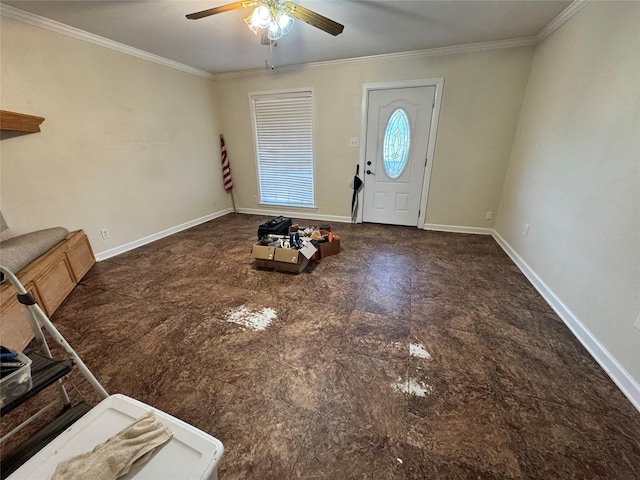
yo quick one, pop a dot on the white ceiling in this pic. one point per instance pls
(223, 43)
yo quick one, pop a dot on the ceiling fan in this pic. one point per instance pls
(274, 18)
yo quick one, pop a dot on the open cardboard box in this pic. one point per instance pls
(283, 259)
(329, 248)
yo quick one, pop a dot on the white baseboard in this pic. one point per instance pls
(157, 236)
(458, 229)
(625, 382)
(292, 214)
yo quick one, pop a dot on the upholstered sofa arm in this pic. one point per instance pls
(18, 252)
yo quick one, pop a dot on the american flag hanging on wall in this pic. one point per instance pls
(226, 171)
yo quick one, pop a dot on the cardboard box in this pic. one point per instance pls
(263, 252)
(282, 259)
(329, 248)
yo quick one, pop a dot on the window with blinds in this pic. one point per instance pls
(283, 126)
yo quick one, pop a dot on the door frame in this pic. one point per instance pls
(437, 82)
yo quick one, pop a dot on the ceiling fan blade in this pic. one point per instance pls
(222, 9)
(312, 18)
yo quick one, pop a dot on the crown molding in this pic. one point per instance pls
(38, 21)
(562, 17)
(52, 25)
(431, 52)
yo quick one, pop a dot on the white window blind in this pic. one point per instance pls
(284, 145)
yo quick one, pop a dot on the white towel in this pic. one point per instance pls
(134, 445)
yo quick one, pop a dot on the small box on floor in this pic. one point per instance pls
(282, 259)
(329, 248)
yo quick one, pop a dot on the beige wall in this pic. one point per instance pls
(126, 144)
(132, 146)
(481, 102)
(574, 173)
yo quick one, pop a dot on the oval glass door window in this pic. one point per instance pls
(396, 144)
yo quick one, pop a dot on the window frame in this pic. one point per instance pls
(275, 94)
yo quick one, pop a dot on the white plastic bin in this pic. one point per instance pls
(190, 454)
(18, 382)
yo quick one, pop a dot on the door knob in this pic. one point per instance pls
(369, 172)
(369, 162)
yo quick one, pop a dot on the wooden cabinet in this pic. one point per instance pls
(80, 257)
(49, 278)
(54, 284)
(15, 330)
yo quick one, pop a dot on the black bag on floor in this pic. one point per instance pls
(277, 226)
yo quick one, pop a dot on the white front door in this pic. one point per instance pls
(397, 136)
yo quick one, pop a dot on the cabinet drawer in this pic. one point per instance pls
(80, 258)
(15, 330)
(54, 284)
(7, 294)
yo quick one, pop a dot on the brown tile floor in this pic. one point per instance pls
(502, 389)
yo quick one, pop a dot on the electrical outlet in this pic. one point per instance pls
(105, 234)
(488, 216)
(525, 229)
(354, 142)
(255, 199)
(213, 202)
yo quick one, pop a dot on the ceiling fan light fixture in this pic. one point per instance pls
(261, 17)
(274, 31)
(285, 22)
(252, 27)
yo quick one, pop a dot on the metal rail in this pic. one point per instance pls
(38, 319)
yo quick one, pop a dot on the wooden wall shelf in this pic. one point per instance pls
(19, 122)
